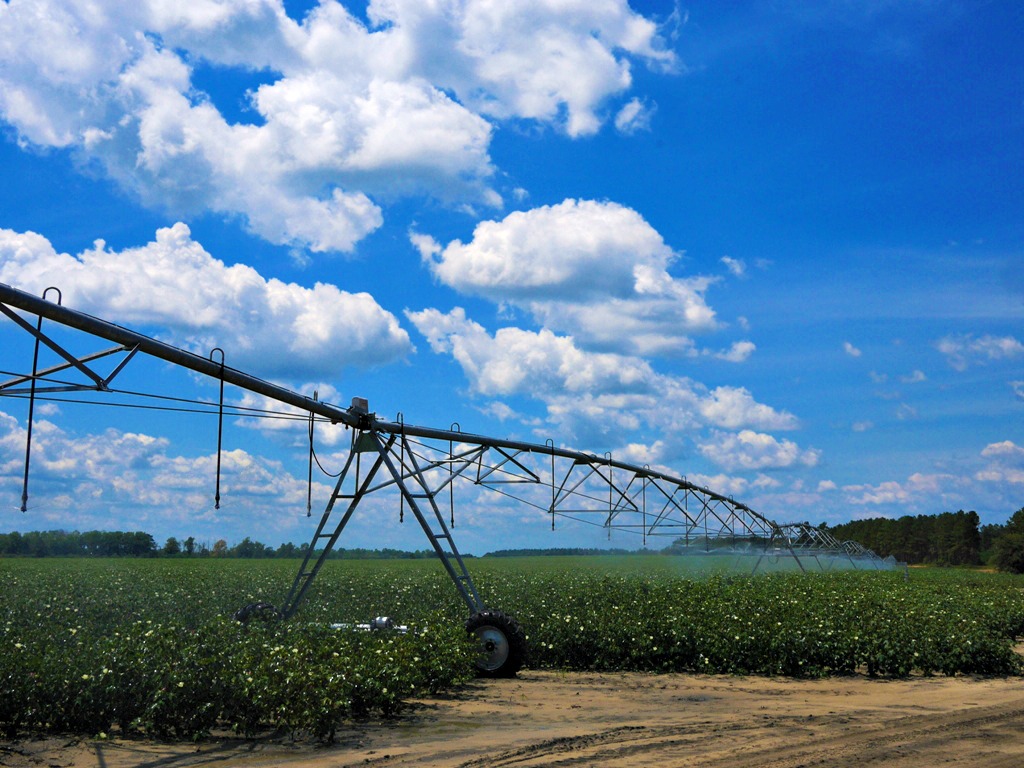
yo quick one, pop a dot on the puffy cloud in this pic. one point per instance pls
(729, 485)
(634, 117)
(587, 392)
(1018, 389)
(1007, 449)
(889, 492)
(289, 424)
(268, 326)
(347, 112)
(749, 450)
(915, 489)
(596, 270)
(738, 352)
(1006, 464)
(733, 407)
(993, 484)
(851, 350)
(964, 350)
(733, 485)
(641, 454)
(547, 60)
(515, 360)
(914, 378)
(575, 250)
(78, 480)
(736, 267)
(1001, 475)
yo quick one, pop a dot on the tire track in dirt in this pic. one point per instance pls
(625, 721)
(909, 740)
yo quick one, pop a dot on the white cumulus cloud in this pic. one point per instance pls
(173, 283)
(556, 61)
(736, 267)
(738, 352)
(964, 350)
(735, 407)
(595, 270)
(587, 392)
(1005, 464)
(747, 450)
(1006, 449)
(82, 480)
(634, 117)
(346, 111)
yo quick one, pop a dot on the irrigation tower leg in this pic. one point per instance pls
(413, 483)
(502, 640)
(324, 534)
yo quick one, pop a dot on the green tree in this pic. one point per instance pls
(1016, 522)
(1008, 553)
(289, 550)
(1008, 549)
(250, 548)
(172, 547)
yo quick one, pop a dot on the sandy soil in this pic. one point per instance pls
(561, 719)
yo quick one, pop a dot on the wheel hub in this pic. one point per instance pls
(495, 647)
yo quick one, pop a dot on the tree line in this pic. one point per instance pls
(61, 543)
(949, 538)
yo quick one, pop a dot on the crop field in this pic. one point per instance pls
(87, 646)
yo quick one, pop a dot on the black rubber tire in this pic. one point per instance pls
(502, 643)
(262, 611)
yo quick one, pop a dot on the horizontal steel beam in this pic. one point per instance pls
(352, 417)
(116, 333)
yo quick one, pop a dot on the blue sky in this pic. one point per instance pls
(777, 247)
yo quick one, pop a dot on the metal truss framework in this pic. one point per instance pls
(423, 465)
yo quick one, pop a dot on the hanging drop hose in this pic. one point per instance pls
(31, 412)
(220, 424)
(32, 402)
(309, 479)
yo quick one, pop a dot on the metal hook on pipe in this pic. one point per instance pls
(220, 423)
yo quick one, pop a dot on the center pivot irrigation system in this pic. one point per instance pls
(423, 464)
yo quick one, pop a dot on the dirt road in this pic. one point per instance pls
(619, 720)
